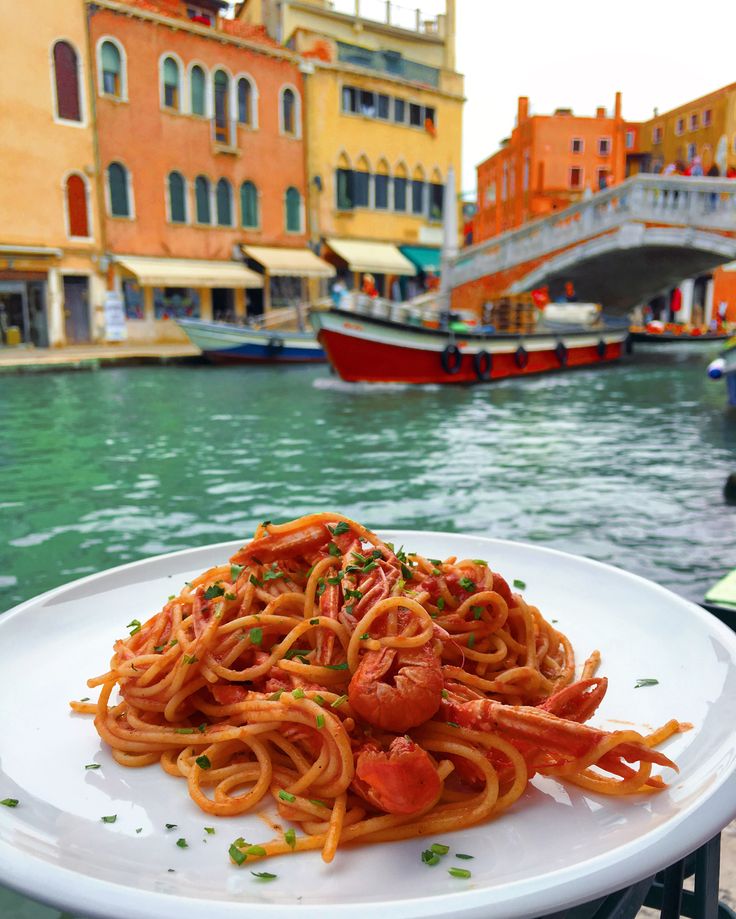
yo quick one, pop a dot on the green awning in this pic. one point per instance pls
(425, 258)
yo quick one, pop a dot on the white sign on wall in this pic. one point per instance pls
(115, 328)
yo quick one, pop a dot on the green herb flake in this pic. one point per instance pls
(452, 724)
(369, 566)
(273, 575)
(275, 696)
(229, 596)
(290, 838)
(255, 581)
(92, 766)
(342, 666)
(256, 636)
(171, 826)
(298, 693)
(214, 591)
(463, 855)
(85, 699)
(467, 584)
(255, 850)
(439, 849)
(287, 796)
(158, 649)
(320, 721)
(440, 603)
(203, 762)
(334, 551)
(236, 855)
(139, 829)
(134, 626)
(459, 872)
(318, 699)
(190, 658)
(645, 682)
(210, 830)
(183, 730)
(13, 802)
(182, 843)
(314, 621)
(445, 694)
(520, 584)
(111, 819)
(264, 875)
(471, 640)
(338, 702)
(317, 802)
(406, 572)
(365, 636)
(235, 572)
(430, 858)
(436, 572)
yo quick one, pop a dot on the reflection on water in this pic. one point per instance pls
(623, 464)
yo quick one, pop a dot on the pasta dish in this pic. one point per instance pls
(364, 692)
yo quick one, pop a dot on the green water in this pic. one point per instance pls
(624, 464)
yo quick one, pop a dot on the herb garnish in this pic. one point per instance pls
(111, 819)
(264, 875)
(645, 682)
(459, 872)
(290, 838)
(203, 762)
(214, 591)
(182, 843)
(256, 636)
(134, 626)
(520, 584)
(12, 802)
(287, 796)
(92, 766)
(236, 855)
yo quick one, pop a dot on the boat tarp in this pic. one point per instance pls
(379, 258)
(293, 263)
(185, 272)
(426, 259)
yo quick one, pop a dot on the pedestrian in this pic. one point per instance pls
(696, 167)
(369, 286)
(339, 288)
(570, 294)
(731, 172)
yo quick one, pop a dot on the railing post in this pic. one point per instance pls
(388, 12)
(419, 20)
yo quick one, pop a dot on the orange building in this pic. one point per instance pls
(548, 163)
(202, 166)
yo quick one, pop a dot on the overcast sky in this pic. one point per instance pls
(570, 54)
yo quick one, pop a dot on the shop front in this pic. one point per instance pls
(378, 263)
(291, 277)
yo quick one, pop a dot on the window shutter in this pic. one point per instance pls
(68, 104)
(202, 194)
(117, 177)
(198, 91)
(76, 200)
(177, 198)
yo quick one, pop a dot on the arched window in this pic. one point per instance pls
(224, 199)
(222, 107)
(249, 204)
(198, 90)
(111, 70)
(117, 182)
(76, 206)
(66, 78)
(436, 196)
(170, 74)
(202, 196)
(400, 184)
(344, 183)
(362, 183)
(177, 198)
(289, 114)
(380, 186)
(245, 102)
(417, 191)
(293, 202)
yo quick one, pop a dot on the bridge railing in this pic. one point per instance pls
(700, 203)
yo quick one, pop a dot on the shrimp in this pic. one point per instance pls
(304, 541)
(402, 781)
(397, 688)
(550, 735)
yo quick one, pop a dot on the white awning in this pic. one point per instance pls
(185, 272)
(378, 258)
(295, 263)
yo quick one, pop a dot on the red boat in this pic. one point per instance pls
(379, 342)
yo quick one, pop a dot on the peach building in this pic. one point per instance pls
(548, 163)
(200, 132)
(49, 232)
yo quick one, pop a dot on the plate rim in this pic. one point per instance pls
(91, 895)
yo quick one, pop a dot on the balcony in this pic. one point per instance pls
(225, 136)
(390, 62)
(388, 13)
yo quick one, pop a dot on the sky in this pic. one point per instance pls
(571, 54)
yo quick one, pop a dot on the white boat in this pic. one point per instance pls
(229, 343)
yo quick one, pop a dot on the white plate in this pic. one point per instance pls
(556, 847)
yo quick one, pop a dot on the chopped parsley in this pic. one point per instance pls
(264, 875)
(365, 636)
(439, 849)
(287, 796)
(353, 593)
(203, 762)
(209, 830)
(171, 826)
(342, 666)
(214, 591)
(338, 702)
(134, 626)
(317, 802)
(314, 621)
(645, 682)
(463, 855)
(13, 802)
(229, 596)
(182, 843)
(256, 636)
(236, 855)
(275, 696)
(471, 640)
(440, 603)
(111, 819)
(452, 724)
(520, 584)
(190, 658)
(459, 872)
(183, 730)
(430, 858)
(273, 575)
(290, 838)
(255, 850)
(480, 561)
(255, 581)
(338, 530)
(92, 766)
(445, 694)
(235, 571)
(297, 693)
(477, 611)
(336, 579)
(320, 721)
(467, 584)
(333, 550)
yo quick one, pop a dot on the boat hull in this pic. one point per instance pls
(362, 349)
(223, 343)
(670, 338)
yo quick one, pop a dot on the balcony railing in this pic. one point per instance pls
(389, 13)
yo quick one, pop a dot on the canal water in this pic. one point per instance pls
(624, 464)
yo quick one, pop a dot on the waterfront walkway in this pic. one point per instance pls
(89, 357)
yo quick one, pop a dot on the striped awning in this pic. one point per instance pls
(185, 272)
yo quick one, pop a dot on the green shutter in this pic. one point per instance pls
(202, 194)
(110, 58)
(171, 72)
(249, 204)
(117, 178)
(198, 91)
(224, 203)
(293, 211)
(177, 202)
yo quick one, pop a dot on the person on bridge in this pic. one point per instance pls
(540, 296)
(570, 294)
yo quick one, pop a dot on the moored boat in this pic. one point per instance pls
(376, 341)
(724, 367)
(660, 333)
(224, 342)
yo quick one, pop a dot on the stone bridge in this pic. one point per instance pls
(620, 247)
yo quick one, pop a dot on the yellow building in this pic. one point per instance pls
(49, 228)
(383, 124)
(704, 127)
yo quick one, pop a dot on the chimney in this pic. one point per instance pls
(522, 112)
(600, 112)
(617, 107)
(449, 61)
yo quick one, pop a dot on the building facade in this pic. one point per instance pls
(50, 236)
(383, 104)
(548, 163)
(201, 144)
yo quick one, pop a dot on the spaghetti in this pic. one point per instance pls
(371, 694)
